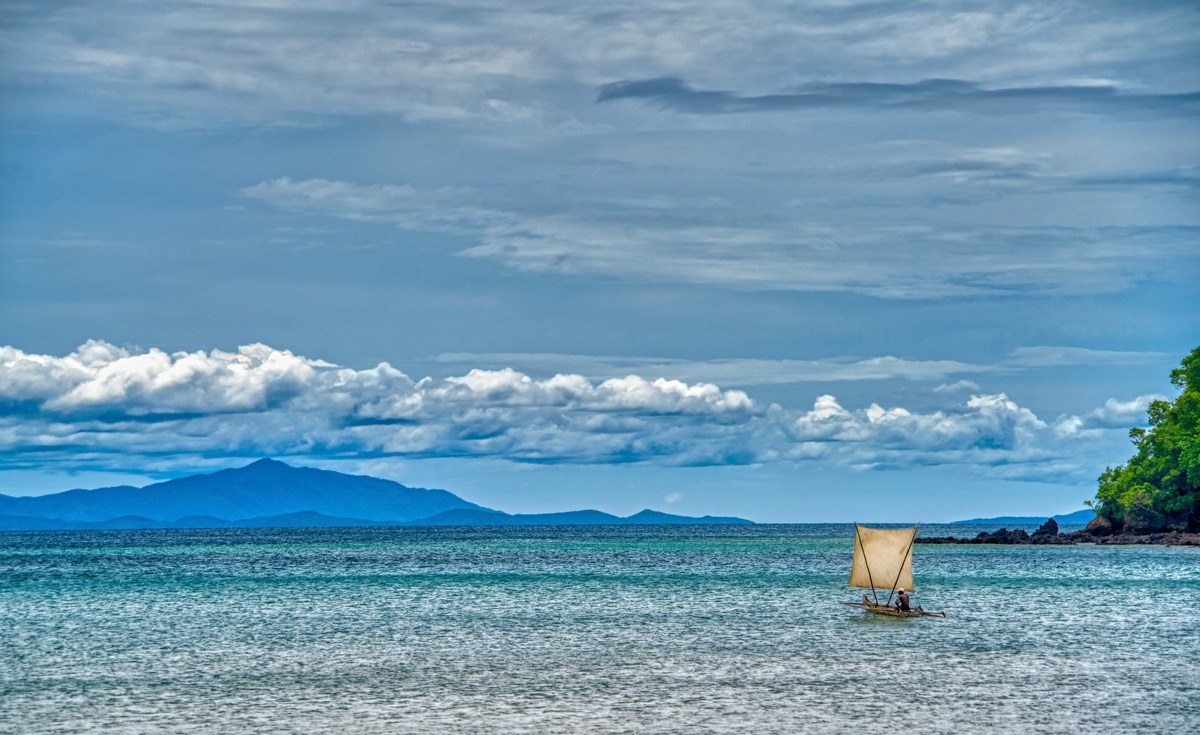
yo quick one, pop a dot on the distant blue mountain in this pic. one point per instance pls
(271, 494)
(264, 488)
(1079, 517)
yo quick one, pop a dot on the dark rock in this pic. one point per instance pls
(1156, 539)
(1057, 539)
(1003, 536)
(1100, 526)
(1050, 527)
(1141, 520)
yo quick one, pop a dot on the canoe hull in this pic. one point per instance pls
(892, 612)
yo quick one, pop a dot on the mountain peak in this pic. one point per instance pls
(266, 463)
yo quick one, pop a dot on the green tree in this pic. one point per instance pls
(1159, 487)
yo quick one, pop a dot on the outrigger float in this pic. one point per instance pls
(883, 557)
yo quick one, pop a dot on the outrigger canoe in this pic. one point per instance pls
(883, 557)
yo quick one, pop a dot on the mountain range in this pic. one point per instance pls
(269, 494)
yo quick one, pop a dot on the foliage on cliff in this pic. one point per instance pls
(1159, 487)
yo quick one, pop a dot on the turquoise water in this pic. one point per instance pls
(732, 629)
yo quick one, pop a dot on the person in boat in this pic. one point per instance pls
(902, 600)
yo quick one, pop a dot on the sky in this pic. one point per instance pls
(807, 261)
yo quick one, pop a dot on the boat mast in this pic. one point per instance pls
(906, 553)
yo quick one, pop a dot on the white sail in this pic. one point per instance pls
(882, 558)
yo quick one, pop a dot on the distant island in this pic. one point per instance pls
(1078, 518)
(272, 494)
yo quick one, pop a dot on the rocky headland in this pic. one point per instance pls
(1099, 531)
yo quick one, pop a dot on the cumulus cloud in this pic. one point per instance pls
(107, 407)
(1114, 414)
(259, 400)
(99, 377)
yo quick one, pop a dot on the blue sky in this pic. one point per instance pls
(793, 262)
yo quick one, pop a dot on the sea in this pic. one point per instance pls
(592, 629)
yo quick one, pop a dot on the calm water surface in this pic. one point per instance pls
(584, 630)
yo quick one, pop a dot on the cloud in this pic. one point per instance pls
(895, 262)
(104, 407)
(106, 400)
(959, 386)
(885, 261)
(438, 210)
(1008, 170)
(750, 372)
(743, 372)
(288, 62)
(1114, 414)
(98, 378)
(929, 95)
(989, 423)
(1057, 356)
(282, 62)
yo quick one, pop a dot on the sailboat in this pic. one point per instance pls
(883, 561)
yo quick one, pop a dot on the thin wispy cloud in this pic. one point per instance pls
(747, 371)
(1059, 356)
(913, 262)
(300, 63)
(407, 207)
(938, 95)
(958, 386)
(743, 371)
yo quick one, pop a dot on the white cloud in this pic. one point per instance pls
(1114, 414)
(875, 435)
(99, 377)
(104, 407)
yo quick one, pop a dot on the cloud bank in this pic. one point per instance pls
(111, 408)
